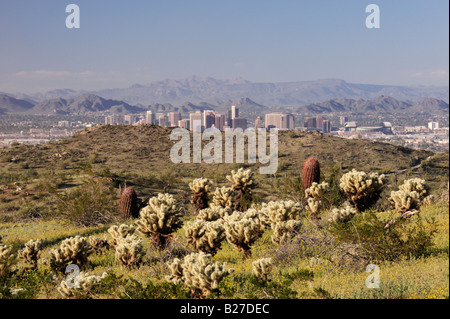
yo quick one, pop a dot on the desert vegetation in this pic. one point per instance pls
(223, 233)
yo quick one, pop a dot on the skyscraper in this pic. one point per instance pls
(310, 122)
(174, 117)
(234, 112)
(209, 119)
(195, 121)
(259, 123)
(239, 122)
(319, 121)
(163, 120)
(326, 126)
(150, 117)
(219, 121)
(280, 121)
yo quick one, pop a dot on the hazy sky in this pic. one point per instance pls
(125, 42)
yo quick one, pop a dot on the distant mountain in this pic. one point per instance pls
(198, 89)
(381, 105)
(10, 104)
(82, 105)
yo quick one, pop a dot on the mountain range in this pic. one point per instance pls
(196, 89)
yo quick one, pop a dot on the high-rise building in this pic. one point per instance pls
(219, 121)
(319, 121)
(209, 119)
(433, 125)
(150, 117)
(326, 126)
(229, 120)
(343, 120)
(129, 119)
(239, 122)
(195, 121)
(310, 122)
(163, 120)
(174, 117)
(259, 123)
(280, 121)
(234, 112)
(184, 124)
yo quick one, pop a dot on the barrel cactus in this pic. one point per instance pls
(128, 204)
(310, 172)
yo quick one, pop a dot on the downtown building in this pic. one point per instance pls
(280, 121)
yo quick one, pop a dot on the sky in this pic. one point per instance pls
(121, 43)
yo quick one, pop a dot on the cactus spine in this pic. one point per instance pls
(311, 172)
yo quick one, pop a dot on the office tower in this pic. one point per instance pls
(343, 120)
(258, 123)
(239, 122)
(129, 119)
(174, 117)
(280, 121)
(319, 121)
(209, 119)
(310, 122)
(195, 121)
(433, 125)
(150, 117)
(234, 112)
(219, 121)
(163, 120)
(184, 124)
(326, 126)
(229, 120)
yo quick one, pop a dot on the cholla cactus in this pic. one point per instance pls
(6, 259)
(205, 236)
(200, 188)
(363, 190)
(224, 197)
(314, 196)
(31, 253)
(160, 219)
(73, 250)
(243, 183)
(121, 231)
(262, 267)
(405, 201)
(242, 229)
(198, 273)
(342, 215)
(213, 213)
(98, 244)
(129, 251)
(283, 217)
(416, 185)
(83, 286)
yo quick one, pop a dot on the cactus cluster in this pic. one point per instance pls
(83, 286)
(224, 197)
(411, 194)
(197, 272)
(200, 188)
(262, 268)
(242, 229)
(314, 195)
(362, 190)
(205, 236)
(283, 217)
(160, 219)
(6, 258)
(120, 231)
(98, 244)
(213, 213)
(243, 183)
(310, 172)
(73, 250)
(342, 215)
(128, 204)
(129, 252)
(31, 253)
